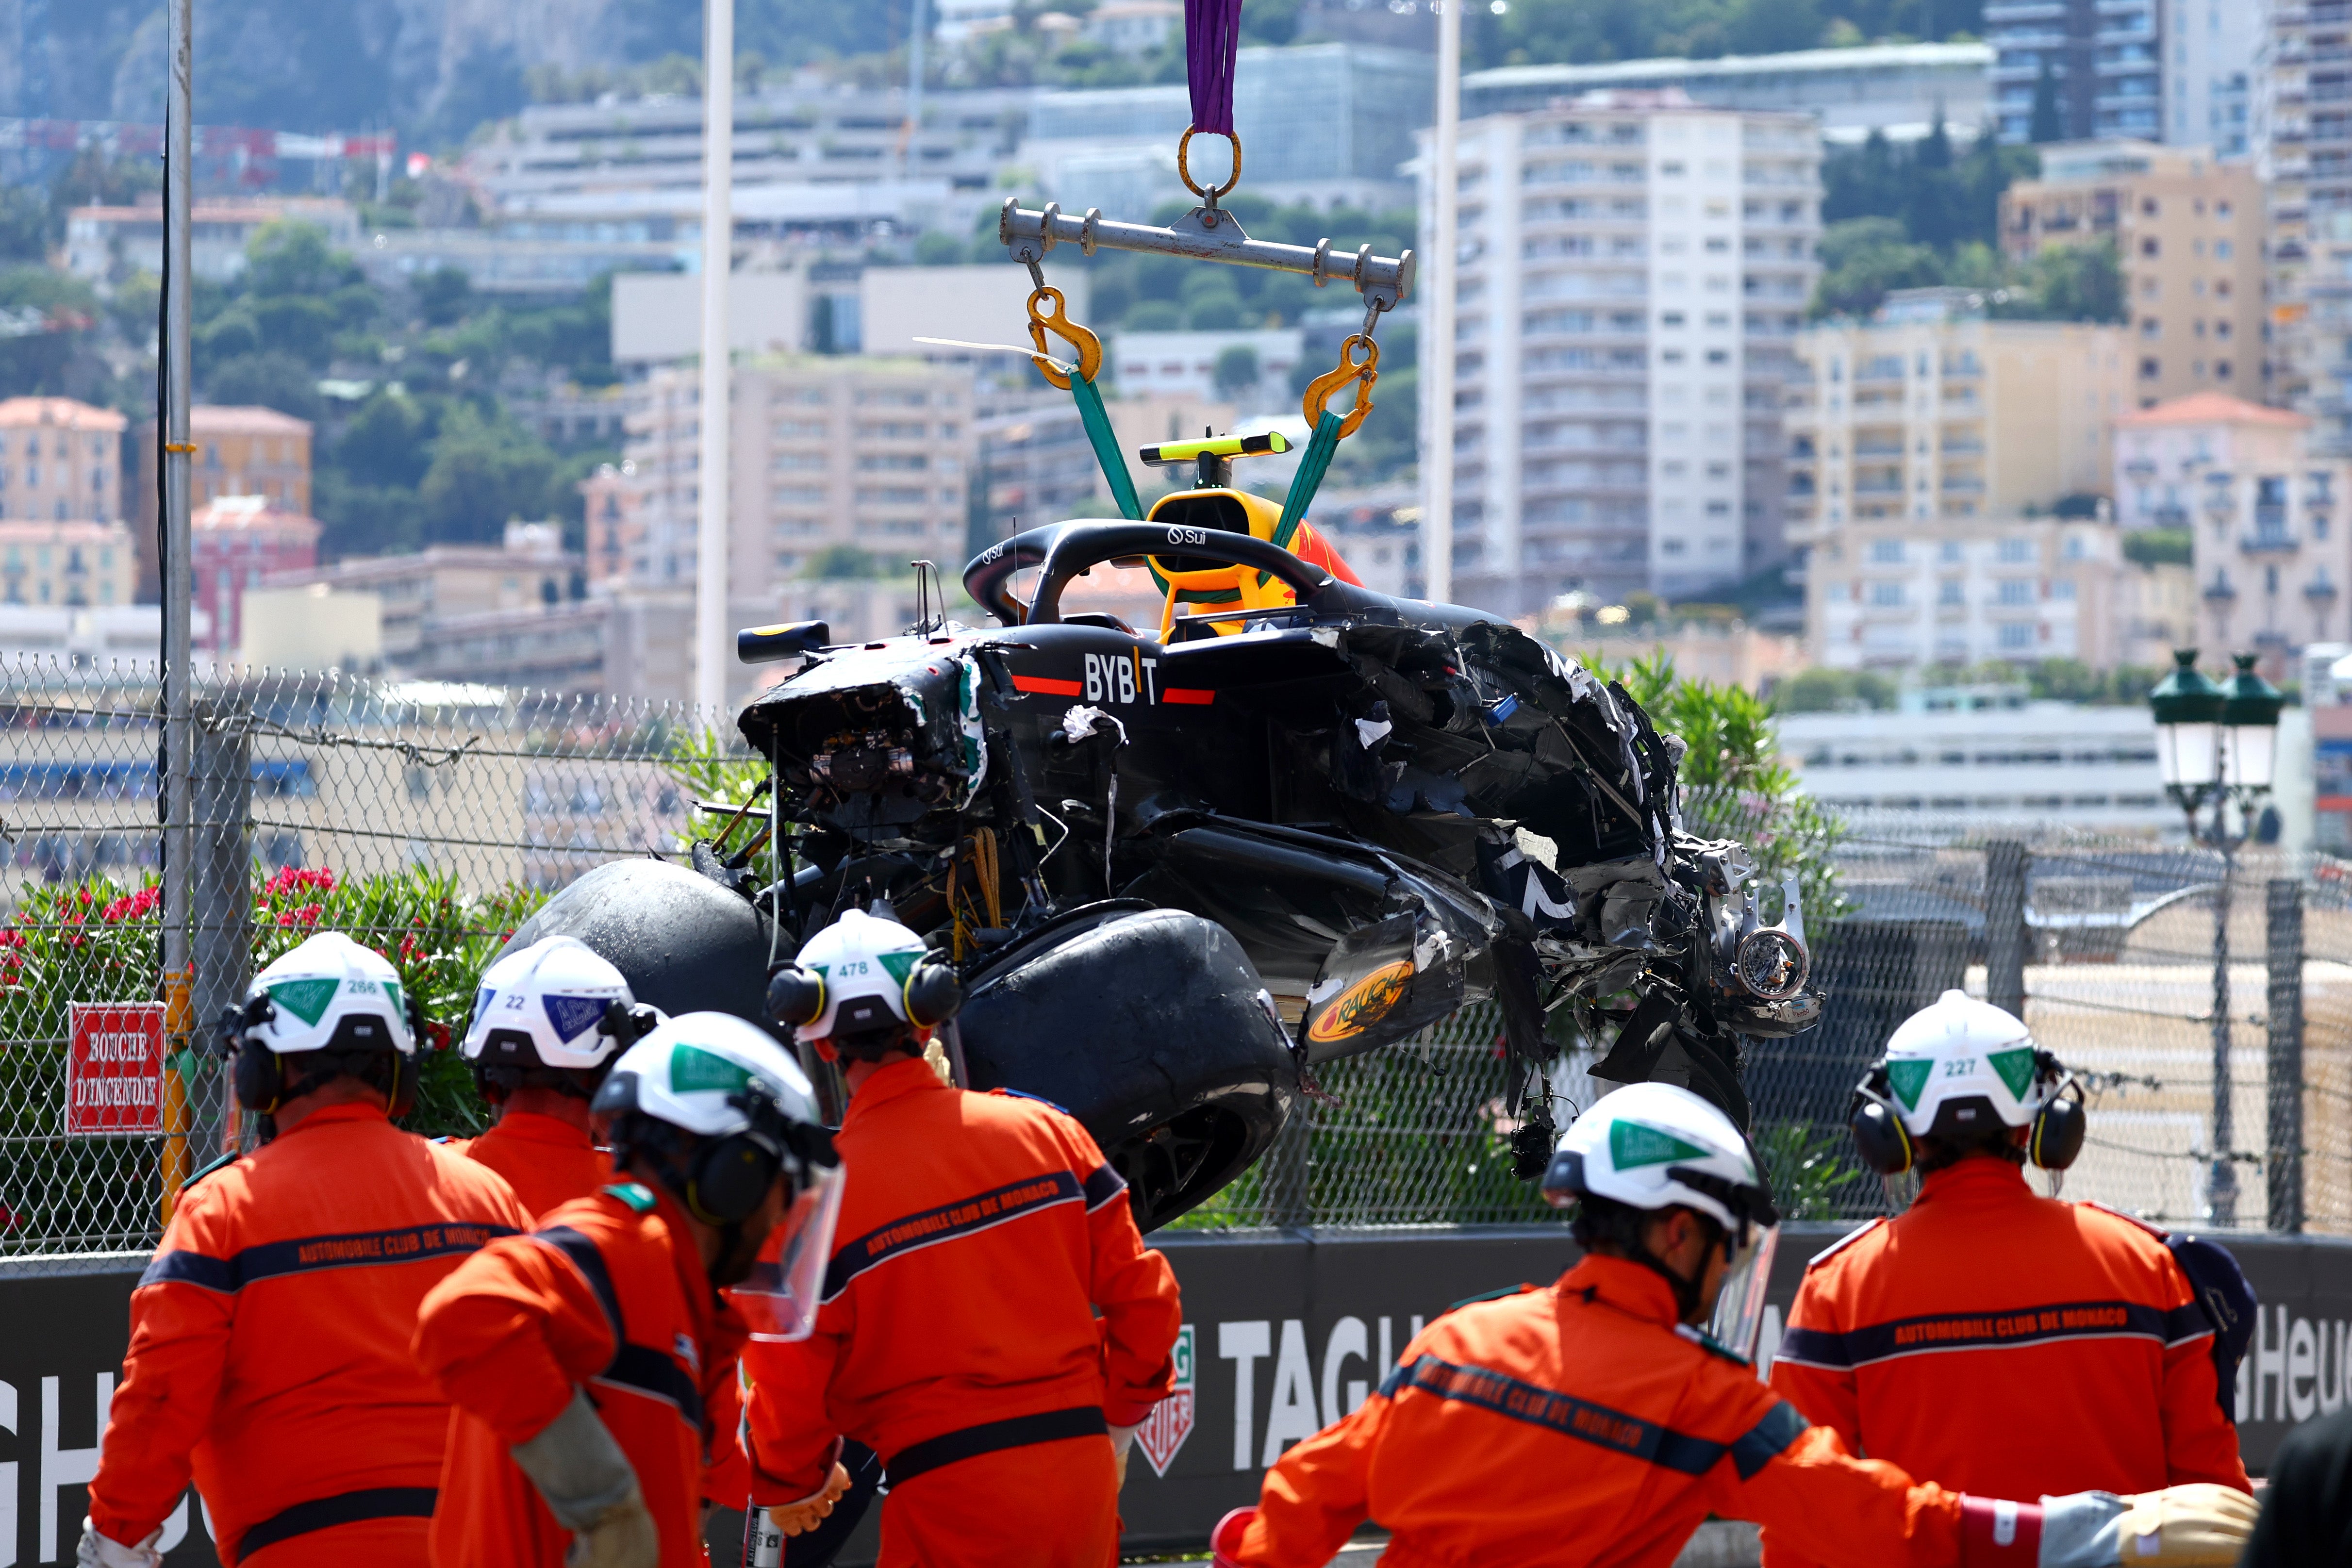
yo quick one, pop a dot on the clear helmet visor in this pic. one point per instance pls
(779, 1299)
(1738, 1315)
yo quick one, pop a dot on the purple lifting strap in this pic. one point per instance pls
(1213, 31)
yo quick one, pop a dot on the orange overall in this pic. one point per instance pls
(2007, 1344)
(958, 1337)
(269, 1347)
(1578, 1424)
(608, 1295)
(545, 1160)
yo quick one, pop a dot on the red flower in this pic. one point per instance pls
(309, 914)
(408, 949)
(286, 918)
(437, 1034)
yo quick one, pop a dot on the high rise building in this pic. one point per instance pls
(2102, 60)
(1634, 270)
(1930, 411)
(2302, 143)
(829, 453)
(2209, 75)
(2188, 233)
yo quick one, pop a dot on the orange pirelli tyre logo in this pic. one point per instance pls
(1363, 1004)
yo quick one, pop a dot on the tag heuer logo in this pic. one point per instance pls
(1171, 1421)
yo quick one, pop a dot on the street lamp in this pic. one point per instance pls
(2218, 743)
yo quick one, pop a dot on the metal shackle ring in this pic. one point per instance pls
(1185, 167)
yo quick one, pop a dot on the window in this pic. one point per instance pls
(2064, 589)
(2222, 250)
(2013, 551)
(1948, 591)
(1887, 552)
(1670, 319)
(2016, 634)
(1887, 595)
(2149, 247)
(2148, 327)
(2149, 370)
(2015, 590)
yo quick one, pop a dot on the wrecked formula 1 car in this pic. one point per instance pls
(1178, 875)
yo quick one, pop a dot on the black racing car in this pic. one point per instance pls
(1178, 876)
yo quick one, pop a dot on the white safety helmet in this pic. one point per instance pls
(1658, 1145)
(550, 1005)
(861, 973)
(328, 992)
(723, 1111)
(1959, 1068)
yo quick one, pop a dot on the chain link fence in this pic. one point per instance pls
(428, 819)
(424, 819)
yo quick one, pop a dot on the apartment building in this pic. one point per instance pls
(829, 452)
(77, 563)
(1897, 88)
(2188, 233)
(60, 459)
(1634, 269)
(2304, 142)
(1978, 768)
(529, 567)
(1896, 594)
(807, 158)
(1931, 412)
(104, 244)
(235, 542)
(240, 451)
(2104, 59)
(2266, 510)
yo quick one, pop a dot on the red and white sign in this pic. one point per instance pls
(1171, 1421)
(114, 1067)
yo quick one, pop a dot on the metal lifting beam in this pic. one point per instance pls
(1207, 233)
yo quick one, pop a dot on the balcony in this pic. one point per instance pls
(2141, 468)
(1963, 484)
(2268, 541)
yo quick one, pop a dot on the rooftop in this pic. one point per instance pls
(1825, 62)
(17, 413)
(231, 512)
(2211, 408)
(207, 419)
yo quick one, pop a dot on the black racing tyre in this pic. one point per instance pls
(1151, 1027)
(684, 943)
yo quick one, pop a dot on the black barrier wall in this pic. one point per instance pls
(1284, 1334)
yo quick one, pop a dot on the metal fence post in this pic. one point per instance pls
(220, 902)
(1288, 1198)
(2005, 865)
(2282, 910)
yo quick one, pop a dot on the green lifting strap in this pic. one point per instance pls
(1306, 481)
(1106, 445)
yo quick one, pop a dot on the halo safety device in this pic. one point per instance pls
(556, 1004)
(862, 972)
(1959, 1068)
(1655, 1147)
(342, 1005)
(723, 1111)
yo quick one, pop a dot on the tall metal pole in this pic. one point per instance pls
(907, 160)
(1437, 342)
(176, 559)
(2224, 1183)
(710, 560)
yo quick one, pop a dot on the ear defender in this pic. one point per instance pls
(932, 995)
(728, 1177)
(257, 1078)
(1879, 1135)
(795, 997)
(2055, 1137)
